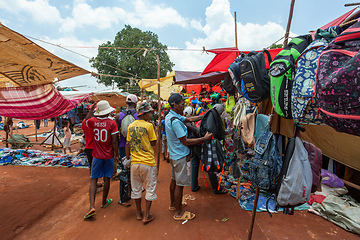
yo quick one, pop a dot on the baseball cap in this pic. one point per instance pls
(176, 97)
(132, 98)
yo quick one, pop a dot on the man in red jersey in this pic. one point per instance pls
(105, 152)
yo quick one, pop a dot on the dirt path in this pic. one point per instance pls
(49, 203)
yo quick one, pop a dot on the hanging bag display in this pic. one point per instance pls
(248, 128)
(282, 71)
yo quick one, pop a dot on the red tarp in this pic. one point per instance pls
(36, 102)
(339, 20)
(225, 56)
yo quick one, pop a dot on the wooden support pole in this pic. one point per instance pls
(351, 4)
(159, 113)
(54, 135)
(35, 130)
(289, 22)
(254, 213)
(236, 40)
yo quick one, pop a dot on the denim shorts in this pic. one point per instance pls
(102, 168)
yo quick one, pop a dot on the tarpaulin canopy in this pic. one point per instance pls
(24, 63)
(339, 20)
(115, 99)
(196, 77)
(36, 102)
(225, 56)
(166, 85)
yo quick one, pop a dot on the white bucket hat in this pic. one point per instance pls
(103, 108)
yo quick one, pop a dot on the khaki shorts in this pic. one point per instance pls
(180, 172)
(141, 173)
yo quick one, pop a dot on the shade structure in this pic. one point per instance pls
(115, 99)
(166, 85)
(196, 78)
(24, 63)
(36, 102)
(339, 20)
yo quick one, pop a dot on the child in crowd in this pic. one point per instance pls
(67, 137)
(46, 122)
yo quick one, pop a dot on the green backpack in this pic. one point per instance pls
(282, 72)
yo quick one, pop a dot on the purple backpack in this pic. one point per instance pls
(338, 85)
(315, 159)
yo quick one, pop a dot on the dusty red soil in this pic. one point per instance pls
(49, 203)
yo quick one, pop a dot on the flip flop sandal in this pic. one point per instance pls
(108, 202)
(185, 216)
(151, 218)
(126, 204)
(90, 214)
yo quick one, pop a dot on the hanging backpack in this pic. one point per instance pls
(212, 122)
(303, 105)
(337, 82)
(282, 72)
(235, 74)
(264, 170)
(315, 159)
(126, 121)
(228, 86)
(296, 179)
(255, 77)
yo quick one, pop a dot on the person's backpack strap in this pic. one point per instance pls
(268, 55)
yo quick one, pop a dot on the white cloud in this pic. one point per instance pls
(40, 10)
(219, 31)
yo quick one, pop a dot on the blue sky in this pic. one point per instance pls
(179, 24)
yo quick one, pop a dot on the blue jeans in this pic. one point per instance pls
(195, 162)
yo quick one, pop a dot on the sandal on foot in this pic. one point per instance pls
(90, 214)
(151, 218)
(125, 204)
(108, 202)
(186, 216)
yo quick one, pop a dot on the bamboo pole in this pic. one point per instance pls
(159, 113)
(351, 4)
(35, 130)
(289, 22)
(53, 139)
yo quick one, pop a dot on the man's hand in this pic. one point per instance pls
(116, 159)
(208, 136)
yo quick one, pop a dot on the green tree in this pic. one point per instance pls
(130, 60)
(276, 46)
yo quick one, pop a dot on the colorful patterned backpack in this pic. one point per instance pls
(303, 104)
(338, 82)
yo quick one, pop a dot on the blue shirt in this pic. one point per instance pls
(174, 131)
(163, 126)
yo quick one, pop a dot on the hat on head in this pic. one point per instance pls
(132, 98)
(143, 107)
(103, 108)
(176, 97)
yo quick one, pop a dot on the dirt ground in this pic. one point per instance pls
(50, 202)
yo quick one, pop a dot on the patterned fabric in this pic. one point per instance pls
(36, 102)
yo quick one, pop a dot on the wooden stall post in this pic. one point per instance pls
(254, 213)
(159, 113)
(54, 135)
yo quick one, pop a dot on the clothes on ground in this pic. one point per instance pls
(174, 130)
(103, 129)
(140, 134)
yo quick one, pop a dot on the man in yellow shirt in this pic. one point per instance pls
(140, 141)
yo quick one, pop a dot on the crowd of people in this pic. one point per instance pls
(131, 138)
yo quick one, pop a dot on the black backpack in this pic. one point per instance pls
(212, 122)
(255, 78)
(228, 85)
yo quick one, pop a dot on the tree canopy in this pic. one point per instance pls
(140, 63)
